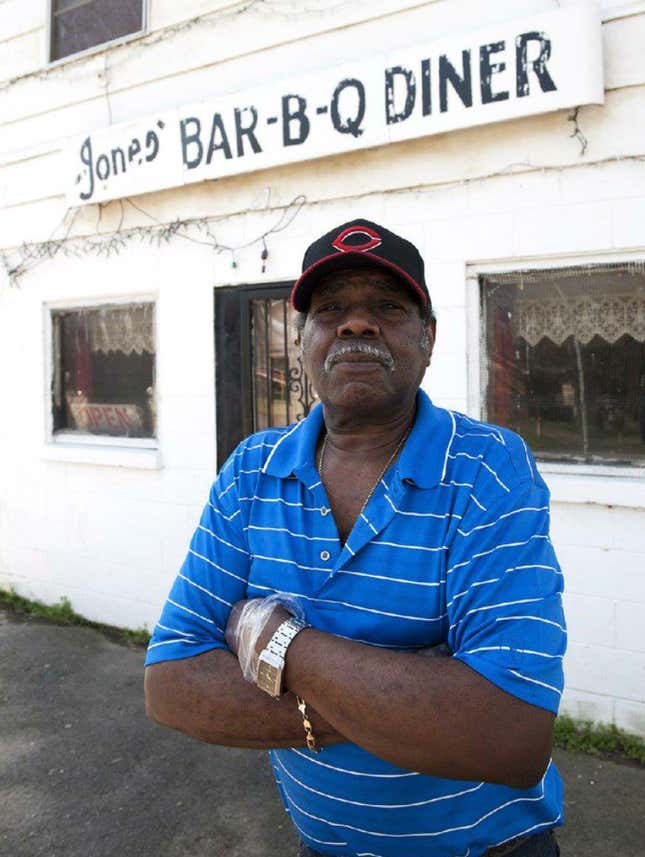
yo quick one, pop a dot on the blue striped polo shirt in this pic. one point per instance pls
(453, 547)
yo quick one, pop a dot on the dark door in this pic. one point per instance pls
(259, 378)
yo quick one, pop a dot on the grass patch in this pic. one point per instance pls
(597, 739)
(63, 613)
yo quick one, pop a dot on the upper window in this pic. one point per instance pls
(103, 371)
(77, 25)
(565, 361)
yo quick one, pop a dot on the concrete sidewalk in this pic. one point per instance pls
(83, 773)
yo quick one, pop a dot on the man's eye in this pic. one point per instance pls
(391, 305)
(330, 307)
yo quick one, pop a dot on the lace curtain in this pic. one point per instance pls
(126, 329)
(583, 317)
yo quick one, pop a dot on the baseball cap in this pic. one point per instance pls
(360, 244)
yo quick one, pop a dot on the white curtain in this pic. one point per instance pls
(121, 328)
(583, 316)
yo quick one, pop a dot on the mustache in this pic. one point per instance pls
(358, 346)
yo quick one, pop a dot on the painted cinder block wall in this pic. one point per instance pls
(108, 528)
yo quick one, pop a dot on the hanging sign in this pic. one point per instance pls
(516, 68)
(120, 419)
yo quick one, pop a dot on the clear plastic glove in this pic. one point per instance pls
(246, 623)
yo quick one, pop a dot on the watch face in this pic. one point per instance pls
(270, 670)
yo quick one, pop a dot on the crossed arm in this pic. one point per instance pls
(432, 715)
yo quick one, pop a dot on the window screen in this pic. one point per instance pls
(77, 25)
(282, 391)
(260, 377)
(564, 362)
(103, 379)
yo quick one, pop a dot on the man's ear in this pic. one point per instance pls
(431, 333)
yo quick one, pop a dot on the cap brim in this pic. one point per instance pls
(309, 279)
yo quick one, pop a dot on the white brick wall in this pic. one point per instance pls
(630, 716)
(630, 626)
(590, 620)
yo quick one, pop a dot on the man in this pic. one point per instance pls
(390, 527)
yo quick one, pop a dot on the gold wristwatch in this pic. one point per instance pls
(271, 662)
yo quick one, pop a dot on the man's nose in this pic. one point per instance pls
(358, 322)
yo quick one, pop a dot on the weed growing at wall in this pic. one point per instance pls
(583, 736)
(63, 613)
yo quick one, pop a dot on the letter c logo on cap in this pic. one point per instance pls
(371, 239)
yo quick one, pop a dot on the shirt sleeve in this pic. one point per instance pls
(503, 598)
(212, 578)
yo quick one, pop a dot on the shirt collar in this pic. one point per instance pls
(423, 459)
(297, 448)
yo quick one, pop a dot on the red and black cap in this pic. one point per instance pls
(360, 244)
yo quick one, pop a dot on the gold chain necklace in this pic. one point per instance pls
(397, 449)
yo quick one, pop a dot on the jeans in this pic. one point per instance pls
(543, 844)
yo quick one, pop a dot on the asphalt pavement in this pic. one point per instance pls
(83, 773)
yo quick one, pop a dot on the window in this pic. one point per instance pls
(565, 361)
(103, 371)
(260, 381)
(77, 25)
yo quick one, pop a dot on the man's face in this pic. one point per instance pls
(364, 342)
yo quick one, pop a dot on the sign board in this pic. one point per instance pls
(515, 68)
(121, 419)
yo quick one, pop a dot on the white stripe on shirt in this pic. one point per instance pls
(179, 640)
(420, 514)
(292, 562)
(496, 548)
(352, 606)
(526, 567)
(417, 835)
(379, 805)
(194, 613)
(452, 437)
(226, 517)
(281, 500)
(493, 606)
(291, 533)
(369, 524)
(535, 681)
(284, 437)
(220, 539)
(174, 630)
(534, 619)
(353, 773)
(203, 589)
(411, 547)
(215, 565)
(502, 517)
(509, 649)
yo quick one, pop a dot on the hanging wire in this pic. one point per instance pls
(158, 233)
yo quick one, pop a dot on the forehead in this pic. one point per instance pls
(377, 278)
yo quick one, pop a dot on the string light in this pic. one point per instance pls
(160, 233)
(157, 233)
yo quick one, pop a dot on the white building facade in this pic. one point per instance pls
(146, 249)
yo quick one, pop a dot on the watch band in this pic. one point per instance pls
(283, 636)
(271, 661)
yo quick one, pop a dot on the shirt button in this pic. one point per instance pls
(325, 555)
(324, 511)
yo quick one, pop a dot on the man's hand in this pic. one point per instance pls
(251, 624)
